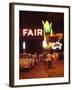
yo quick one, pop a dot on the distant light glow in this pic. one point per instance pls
(44, 44)
(56, 45)
(24, 45)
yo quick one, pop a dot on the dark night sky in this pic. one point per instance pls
(31, 19)
(34, 19)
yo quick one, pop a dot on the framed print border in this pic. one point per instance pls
(13, 36)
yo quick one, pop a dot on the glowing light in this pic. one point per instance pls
(56, 45)
(51, 32)
(44, 44)
(47, 27)
(24, 45)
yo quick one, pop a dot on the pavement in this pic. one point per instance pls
(41, 70)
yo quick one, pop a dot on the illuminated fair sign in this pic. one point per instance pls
(47, 29)
(32, 32)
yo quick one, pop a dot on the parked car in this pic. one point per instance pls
(26, 61)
